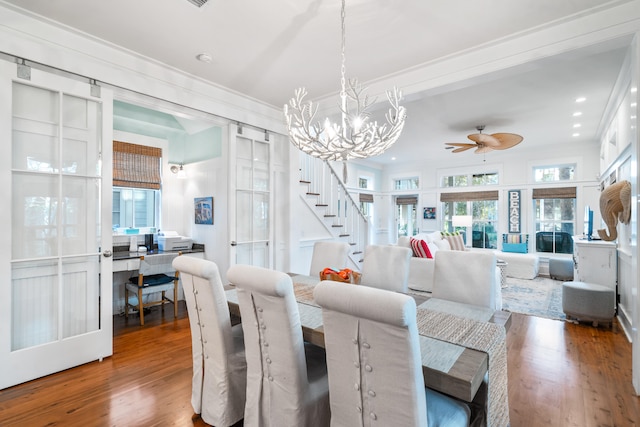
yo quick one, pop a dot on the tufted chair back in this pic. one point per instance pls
(286, 378)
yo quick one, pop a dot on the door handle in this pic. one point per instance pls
(233, 243)
(107, 253)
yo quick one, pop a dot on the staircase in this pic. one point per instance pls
(326, 195)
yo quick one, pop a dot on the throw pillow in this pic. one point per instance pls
(433, 248)
(420, 248)
(455, 240)
(442, 245)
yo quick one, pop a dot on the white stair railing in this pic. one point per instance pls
(333, 205)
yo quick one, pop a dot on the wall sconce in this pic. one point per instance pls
(179, 171)
(465, 221)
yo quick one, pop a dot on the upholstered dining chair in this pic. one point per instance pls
(155, 276)
(328, 254)
(374, 361)
(386, 267)
(469, 277)
(218, 385)
(286, 377)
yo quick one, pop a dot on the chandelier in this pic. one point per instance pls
(356, 136)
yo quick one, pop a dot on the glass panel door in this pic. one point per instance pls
(58, 309)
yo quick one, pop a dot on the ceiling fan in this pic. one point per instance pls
(483, 143)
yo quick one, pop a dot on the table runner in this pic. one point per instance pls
(482, 336)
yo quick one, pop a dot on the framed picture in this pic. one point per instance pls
(429, 213)
(203, 208)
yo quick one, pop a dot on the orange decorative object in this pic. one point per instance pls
(345, 275)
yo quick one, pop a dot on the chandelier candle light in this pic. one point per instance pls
(356, 137)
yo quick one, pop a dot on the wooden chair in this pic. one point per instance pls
(155, 274)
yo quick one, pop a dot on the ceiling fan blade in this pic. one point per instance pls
(465, 148)
(460, 144)
(507, 140)
(484, 139)
(483, 149)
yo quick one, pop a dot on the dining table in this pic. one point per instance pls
(452, 360)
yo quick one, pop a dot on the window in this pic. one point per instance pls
(406, 217)
(363, 183)
(406, 184)
(135, 207)
(483, 208)
(366, 205)
(555, 216)
(136, 186)
(476, 179)
(554, 173)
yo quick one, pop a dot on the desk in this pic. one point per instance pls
(449, 368)
(126, 265)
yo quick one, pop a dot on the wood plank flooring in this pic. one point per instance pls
(560, 374)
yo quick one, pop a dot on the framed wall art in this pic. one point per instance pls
(203, 208)
(429, 213)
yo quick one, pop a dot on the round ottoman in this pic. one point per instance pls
(588, 301)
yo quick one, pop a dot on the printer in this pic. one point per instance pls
(172, 241)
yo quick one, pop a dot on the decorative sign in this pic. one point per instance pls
(514, 211)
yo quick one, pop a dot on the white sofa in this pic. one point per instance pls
(421, 270)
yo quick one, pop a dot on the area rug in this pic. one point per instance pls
(541, 297)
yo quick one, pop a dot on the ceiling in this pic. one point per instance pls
(266, 49)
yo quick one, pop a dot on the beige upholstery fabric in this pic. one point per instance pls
(328, 254)
(219, 365)
(386, 267)
(286, 378)
(468, 277)
(375, 366)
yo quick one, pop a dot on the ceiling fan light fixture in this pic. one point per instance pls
(484, 143)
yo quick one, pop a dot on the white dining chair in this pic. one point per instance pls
(470, 277)
(286, 377)
(386, 267)
(375, 363)
(219, 381)
(328, 254)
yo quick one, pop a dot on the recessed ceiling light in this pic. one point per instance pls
(633, 117)
(633, 104)
(634, 89)
(576, 134)
(393, 158)
(581, 99)
(204, 57)
(577, 113)
(576, 125)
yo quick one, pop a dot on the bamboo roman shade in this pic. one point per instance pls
(366, 198)
(406, 200)
(469, 196)
(554, 193)
(136, 165)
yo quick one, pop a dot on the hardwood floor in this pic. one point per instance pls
(560, 374)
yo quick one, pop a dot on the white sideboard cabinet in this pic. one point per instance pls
(595, 261)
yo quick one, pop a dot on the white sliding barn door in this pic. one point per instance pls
(55, 311)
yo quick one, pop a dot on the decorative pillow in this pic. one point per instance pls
(433, 248)
(420, 248)
(442, 244)
(455, 240)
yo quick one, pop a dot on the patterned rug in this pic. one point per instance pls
(541, 297)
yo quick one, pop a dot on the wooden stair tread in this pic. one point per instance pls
(304, 182)
(329, 216)
(356, 252)
(321, 205)
(313, 194)
(337, 225)
(344, 235)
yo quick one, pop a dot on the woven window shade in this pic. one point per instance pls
(411, 200)
(136, 165)
(554, 193)
(469, 196)
(366, 198)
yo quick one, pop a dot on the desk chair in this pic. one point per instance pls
(374, 361)
(286, 377)
(154, 275)
(219, 381)
(386, 267)
(328, 254)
